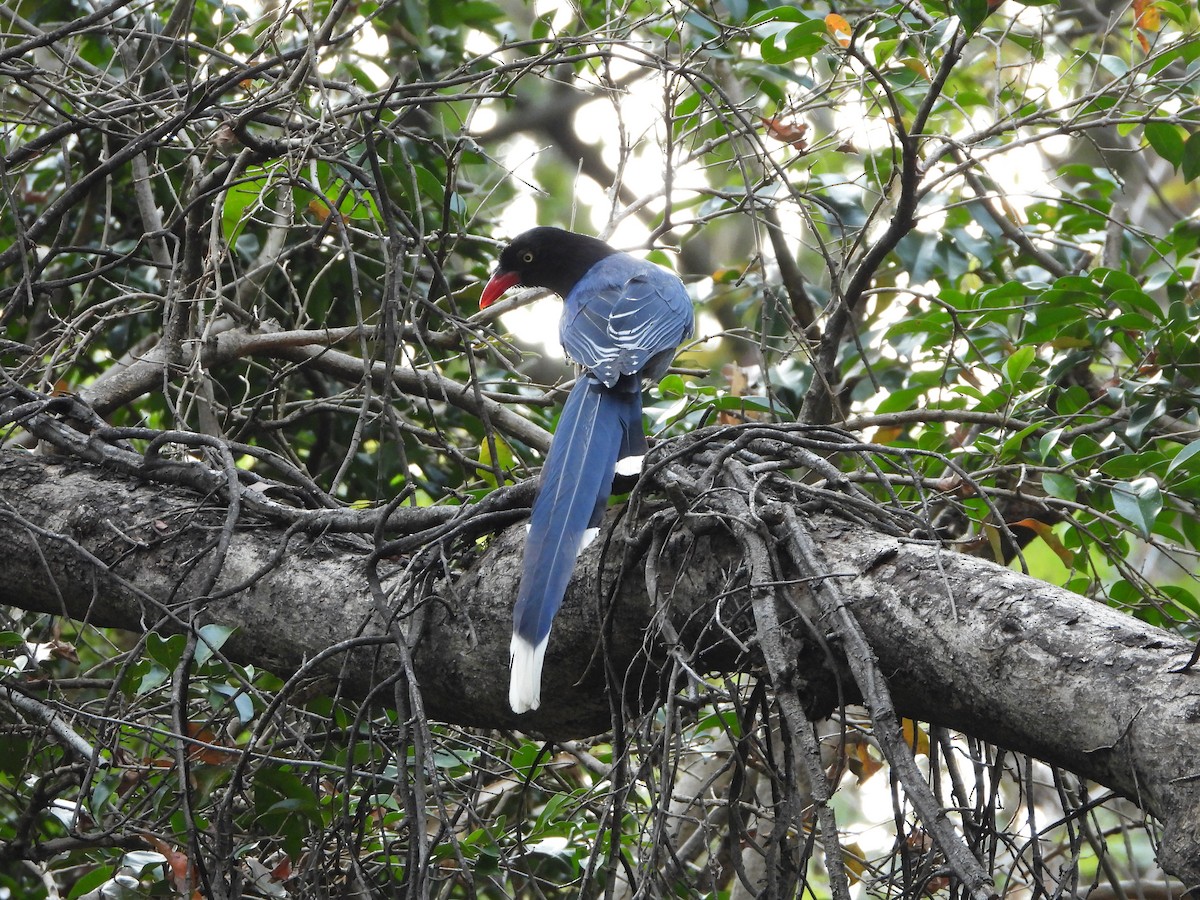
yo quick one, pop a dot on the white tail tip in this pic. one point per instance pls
(630, 466)
(589, 535)
(525, 681)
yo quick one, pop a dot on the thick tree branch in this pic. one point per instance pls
(964, 643)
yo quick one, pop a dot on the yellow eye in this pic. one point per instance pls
(527, 256)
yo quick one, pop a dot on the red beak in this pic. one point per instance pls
(500, 282)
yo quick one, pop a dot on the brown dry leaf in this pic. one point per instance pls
(885, 435)
(855, 861)
(917, 841)
(937, 883)
(737, 381)
(135, 773)
(177, 860)
(208, 755)
(60, 649)
(916, 737)
(1046, 533)
(865, 765)
(324, 214)
(318, 209)
(839, 28)
(787, 132)
(1146, 15)
(915, 65)
(955, 484)
(282, 870)
(225, 139)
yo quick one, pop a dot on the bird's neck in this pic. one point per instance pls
(575, 258)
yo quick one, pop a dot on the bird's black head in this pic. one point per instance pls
(544, 257)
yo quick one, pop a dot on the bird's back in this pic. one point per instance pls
(626, 316)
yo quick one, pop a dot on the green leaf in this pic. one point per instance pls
(278, 788)
(429, 184)
(166, 651)
(14, 751)
(673, 386)
(1189, 163)
(1086, 448)
(154, 677)
(1138, 502)
(737, 9)
(1114, 65)
(884, 51)
(241, 199)
(779, 14)
(742, 403)
(1048, 442)
(898, 401)
(1143, 416)
(802, 41)
(91, 881)
(1167, 141)
(1132, 465)
(1184, 455)
(1191, 530)
(503, 460)
(684, 114)
(1007, 292)
(1016, 365)
(1173, 11)
(1115, 279)
(212, 638)
(1058, 485)
(1012, 444)
(1135, 300)
(971, 13)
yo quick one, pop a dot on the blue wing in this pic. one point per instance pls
(626, 317)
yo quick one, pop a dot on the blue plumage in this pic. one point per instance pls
(625, 316)
(571, 498)
(622, 320)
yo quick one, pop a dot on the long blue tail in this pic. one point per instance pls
(598, 425)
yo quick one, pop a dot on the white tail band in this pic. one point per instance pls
(525, 681)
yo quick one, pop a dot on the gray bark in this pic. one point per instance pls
(965, 643)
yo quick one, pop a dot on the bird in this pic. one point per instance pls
(622, 322)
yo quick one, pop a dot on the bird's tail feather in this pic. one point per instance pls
(525, 681)
(576, 481)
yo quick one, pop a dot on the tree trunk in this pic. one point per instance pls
(965, 643)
